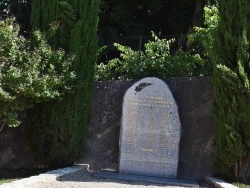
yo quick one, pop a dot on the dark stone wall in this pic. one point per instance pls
(197, 153)
(14, 150)
(194, 97)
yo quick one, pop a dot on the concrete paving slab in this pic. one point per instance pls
(105, 174)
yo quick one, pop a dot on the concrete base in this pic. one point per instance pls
(216, 182)
(105, 174)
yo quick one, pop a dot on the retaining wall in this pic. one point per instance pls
(194, 97)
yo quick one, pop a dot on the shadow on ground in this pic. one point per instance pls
(85, 176)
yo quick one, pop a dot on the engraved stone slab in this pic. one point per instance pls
(150, 131)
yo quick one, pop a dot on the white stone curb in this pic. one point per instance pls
(219, 183)
(52, 175)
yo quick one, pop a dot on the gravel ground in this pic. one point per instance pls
(83, 179)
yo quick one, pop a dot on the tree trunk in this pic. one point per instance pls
(242, 169)
(2, 126)
(197, 17)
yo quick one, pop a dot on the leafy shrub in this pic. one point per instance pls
(155, 60)
(202, 39)
(31, 72)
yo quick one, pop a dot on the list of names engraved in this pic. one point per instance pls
(150, 130)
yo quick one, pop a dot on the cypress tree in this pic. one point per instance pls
(231, 55)
(57, 130)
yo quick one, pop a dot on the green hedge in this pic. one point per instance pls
(57, 130)
(231, 55)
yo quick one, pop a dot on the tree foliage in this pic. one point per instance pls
(31, 72)
(202, 39)
(231, 55)
(156, 60)
(57, 129)
(129, 18)
(18, 9)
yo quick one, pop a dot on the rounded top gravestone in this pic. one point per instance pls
(150, 131)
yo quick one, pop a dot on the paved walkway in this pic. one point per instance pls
(83, 179)
(77, 177)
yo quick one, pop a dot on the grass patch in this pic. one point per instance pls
(6, 180)
(7, 176)
(242, 185)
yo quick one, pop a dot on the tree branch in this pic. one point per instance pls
(248, 167)
(2, 127)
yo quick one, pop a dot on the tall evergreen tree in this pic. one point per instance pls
(231, 55)
(57, 130)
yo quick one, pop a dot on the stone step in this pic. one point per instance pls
(105, 174)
